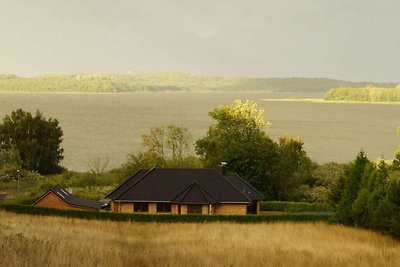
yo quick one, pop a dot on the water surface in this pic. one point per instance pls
(101, 125)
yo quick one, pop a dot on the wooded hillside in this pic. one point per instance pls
(369, 93)
(166, 81)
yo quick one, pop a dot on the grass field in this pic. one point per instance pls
(51, 241)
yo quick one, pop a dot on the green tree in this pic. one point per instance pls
(291, 154)
(354, 173)
(379, 205)
(154, 142)
(167, 143)
(335, 190)
(177, 141)
(361, 207)
(394, 198)
(238, 137)
(163, 146)
(376, 206)
(36, 138)
(10, 163)
(295, 177)
(396, 162)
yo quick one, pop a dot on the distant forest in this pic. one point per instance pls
(369, 93)
(167, 81)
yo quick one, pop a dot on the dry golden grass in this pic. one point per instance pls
(50, 241)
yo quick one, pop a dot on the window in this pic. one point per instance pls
(252, 208)
(194, 209)
(163, 207)
(140, 207)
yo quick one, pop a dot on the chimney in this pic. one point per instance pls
(222, 165)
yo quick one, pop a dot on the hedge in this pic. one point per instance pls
(164, 218)
(294, 206)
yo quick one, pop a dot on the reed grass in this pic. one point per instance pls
(28, 240)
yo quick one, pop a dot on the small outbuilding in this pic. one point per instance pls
(59, 198)
(185, 191)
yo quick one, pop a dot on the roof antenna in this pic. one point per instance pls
(222, 165)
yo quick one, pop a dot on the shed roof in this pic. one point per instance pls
(67, 197)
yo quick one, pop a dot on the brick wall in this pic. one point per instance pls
(204, 209)
(50, 200)
(126, 207)
(183, 209)
(230, 209)
(222, 209)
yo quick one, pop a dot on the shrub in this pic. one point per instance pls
(163, 218)
(294, 207)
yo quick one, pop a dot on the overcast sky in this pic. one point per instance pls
(344, 39)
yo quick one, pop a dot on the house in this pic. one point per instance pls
(59, 198)
(185, 191)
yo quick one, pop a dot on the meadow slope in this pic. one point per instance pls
(50, 241)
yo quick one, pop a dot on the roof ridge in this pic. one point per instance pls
(232, 185)
(56, 186)
(203, 191)
(130, 177)
(206, 195)
(250, 185)
(187, 189)
(129, 187)
(176, 168)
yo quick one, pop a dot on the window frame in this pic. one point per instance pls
(163, 207)
(140, 206)
(194, 209)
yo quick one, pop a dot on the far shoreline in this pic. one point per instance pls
(321, 100)
(132, 92)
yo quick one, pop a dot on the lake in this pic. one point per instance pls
(110, 125)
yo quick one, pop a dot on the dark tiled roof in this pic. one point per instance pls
(183, 185)
(73, 200)
(247, 189)
(125, 185)
(194, 194)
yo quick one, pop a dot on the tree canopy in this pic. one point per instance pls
(163, 146)
(36, 139)
(238, 137)
(354, 175)
(294, 177)
(369, 93)
(370, 196)
(166, 81)
(396, 161)
(170, 142)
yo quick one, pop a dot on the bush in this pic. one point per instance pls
(294, 207)
(162, 218)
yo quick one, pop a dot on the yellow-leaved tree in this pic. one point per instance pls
(396, 161)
